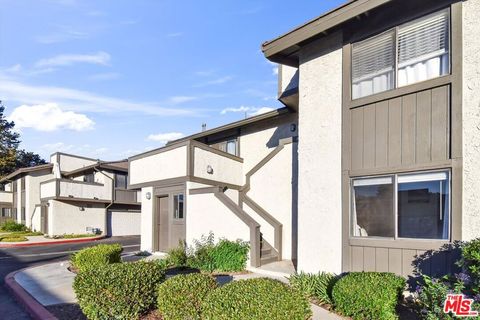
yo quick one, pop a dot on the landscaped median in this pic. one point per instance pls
(14, 234)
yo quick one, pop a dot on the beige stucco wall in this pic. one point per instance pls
(206, 213)
(160, 166)
(32, 195)
(6, 196)
(288, 77)
(67, 218)
(19, 200)
(71, 162)
(36, 222)
(85, 190)
(277, 200)
(225, 169)
(146, 220)
(320, 157)
(48, 189)
(471, 120)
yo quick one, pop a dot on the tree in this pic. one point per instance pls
(11, 158)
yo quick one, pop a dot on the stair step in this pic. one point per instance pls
(268, 258)
(266, 251)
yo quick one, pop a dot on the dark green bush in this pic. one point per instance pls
(200, 255)
(255, 299)
(118, 291)
(230, 256)
(180, 297)
(368, 295)
(470, 263)
(96, 256)
(317, 287)
(11, 225)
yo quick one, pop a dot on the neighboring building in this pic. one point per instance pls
(235, 181)
(72, 195)
(388, 95)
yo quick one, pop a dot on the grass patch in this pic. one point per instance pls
(71, 236)
(9, 238)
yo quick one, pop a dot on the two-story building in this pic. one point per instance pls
(383, 97)
(73, 195)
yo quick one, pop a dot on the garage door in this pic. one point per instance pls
(123, 223)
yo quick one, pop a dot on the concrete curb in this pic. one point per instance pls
(29, 244)
(32, 306)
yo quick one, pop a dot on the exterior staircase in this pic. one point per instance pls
(268, 254)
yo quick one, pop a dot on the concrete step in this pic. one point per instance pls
(266, 251)
(272, 257)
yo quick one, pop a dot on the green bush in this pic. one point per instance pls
(255, 299)
(317, 287)
(118, 291)
(12, 238)
(200, 255)
(431, 297)
(11, 226)
(470, 263)
(368, 295)
(230, 256)
(180, 297)
(177, 257)
(96, 256)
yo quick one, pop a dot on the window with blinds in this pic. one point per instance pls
(413, 52)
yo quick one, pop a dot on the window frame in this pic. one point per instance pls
(176, 196)
(394, 177)
(395, 30)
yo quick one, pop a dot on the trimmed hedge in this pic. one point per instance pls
(368, 295)
(317, 287)
(12, 238)
(118, 291)
(252, 299)
(11, 225)
(180, 297)
(97, 256)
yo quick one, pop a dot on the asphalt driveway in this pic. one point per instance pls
(12, 259)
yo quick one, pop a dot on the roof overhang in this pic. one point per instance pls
(25, 170)
(282, 49)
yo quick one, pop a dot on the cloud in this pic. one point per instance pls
(165, 137)
(49, 117)
(99, 58)
(63, 34)
(85, 150)
(105, 76)
(174, 35)
(181, 99)
(214, 82)
(81, 101)
(250, 111)
(274, 67)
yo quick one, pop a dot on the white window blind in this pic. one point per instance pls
(423, 48)
(373, 64)
(420, 177)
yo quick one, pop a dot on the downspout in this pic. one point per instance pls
(111, 201)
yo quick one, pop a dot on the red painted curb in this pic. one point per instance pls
(33, 307)
(13, 245)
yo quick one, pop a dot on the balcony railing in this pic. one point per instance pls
(6, 197)
(127, 196)
(188, 160)
(75, 190)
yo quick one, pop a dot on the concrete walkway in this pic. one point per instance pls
(41, 240)
(51, 284)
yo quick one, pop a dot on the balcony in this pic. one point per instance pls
(65, 189)
(6, 197)
(186, 161)
(127, 196)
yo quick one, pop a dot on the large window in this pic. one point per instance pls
(402, 206)
(412, 52)
(121, 180)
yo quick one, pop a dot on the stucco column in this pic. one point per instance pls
(147, 220)
(319, 154)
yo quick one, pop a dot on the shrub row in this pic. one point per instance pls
(11, 226)
(97, 256)
(205, 255)
(195, 296)
(118, 291)
(360, 295)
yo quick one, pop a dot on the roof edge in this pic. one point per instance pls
(25, 170)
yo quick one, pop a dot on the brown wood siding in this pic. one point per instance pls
(404, 131)
(399, 261)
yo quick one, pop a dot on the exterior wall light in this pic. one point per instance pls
(148, 195)
(293, 127)
(209, 169)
